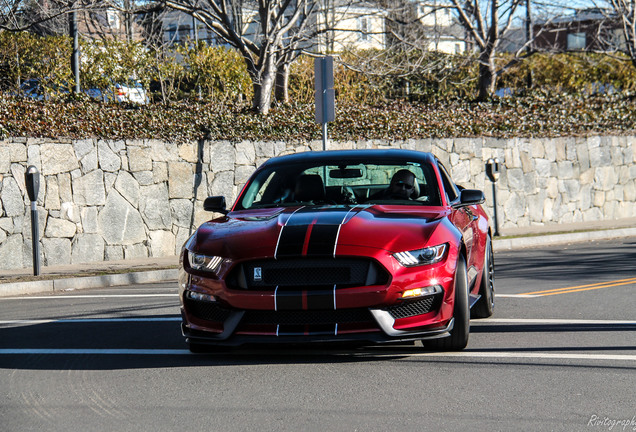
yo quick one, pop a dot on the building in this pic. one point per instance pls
(586, 30)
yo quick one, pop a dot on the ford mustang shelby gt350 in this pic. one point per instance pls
(355, 245)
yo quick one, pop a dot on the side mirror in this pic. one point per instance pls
(471, 197)
(215, 204)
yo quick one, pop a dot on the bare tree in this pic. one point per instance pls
(482, 22)
(269, 34)
(623, 12)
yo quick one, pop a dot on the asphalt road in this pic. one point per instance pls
(559, 354)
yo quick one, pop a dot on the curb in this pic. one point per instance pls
(35, 287)
(154, 276)
(559, 239)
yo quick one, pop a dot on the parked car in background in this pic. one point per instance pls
(131, 91)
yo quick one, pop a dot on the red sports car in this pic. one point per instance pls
(358, 245)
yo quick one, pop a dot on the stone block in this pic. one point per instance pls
(182, 212)
(162, 243)
(128, 187)
(5, 159)
(140, 159)
(155, 207)
(89, 161)
(164, 151)
(159, 172)
(245, 153)
(58, 228)
(180, 180)
(87, 248)
(13, 202)
(113, 253)
(223, 155)
(33, 156)
(108, 160)
(83, 147)
(56, 251)
(600, 157)
(64, 183)
(89, 190)
(70, 211)
(189, 152)
(119, 222)
(144, 178)
(605, 178)
(11, 256)
(58, 158)
(138, 250)
(88, 217)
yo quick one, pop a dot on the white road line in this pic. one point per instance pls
(57, 297)
(464, 354)
(86, 320)
(552, 321)
(79, 351)
(527, 355)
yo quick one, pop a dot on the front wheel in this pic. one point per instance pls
(485, 306)
(458, 338)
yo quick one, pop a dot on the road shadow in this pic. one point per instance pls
(98, 339)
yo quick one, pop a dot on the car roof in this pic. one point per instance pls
(337, 157)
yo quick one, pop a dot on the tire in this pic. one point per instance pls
(485, 306)
(458, 338)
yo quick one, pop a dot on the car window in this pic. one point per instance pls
(345, 183)
(452, 193)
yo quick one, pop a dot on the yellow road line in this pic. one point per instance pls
(579, 288)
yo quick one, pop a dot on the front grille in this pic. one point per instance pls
(415, 307)
(209, 311)
(309, 317)
(307, 273)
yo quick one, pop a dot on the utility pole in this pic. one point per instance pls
(529, 39)
(75, 55)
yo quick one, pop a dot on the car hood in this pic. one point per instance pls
(316, 230)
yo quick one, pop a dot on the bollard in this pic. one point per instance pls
(492, 171)
(32, 179)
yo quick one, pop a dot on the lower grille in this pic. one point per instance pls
(307, 273)
(209, 311)
(416, 307)
(309, 317)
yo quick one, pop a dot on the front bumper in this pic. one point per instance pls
(236, 327)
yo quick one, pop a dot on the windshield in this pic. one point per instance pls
(408, 183)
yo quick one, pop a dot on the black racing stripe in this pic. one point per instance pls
(324, 215)
(322, 240)
(291, 240)
(322, 299)
(289, 300)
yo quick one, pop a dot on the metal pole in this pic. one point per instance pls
(494, 203)
(75, 55)
(324, 104)
(35, 234)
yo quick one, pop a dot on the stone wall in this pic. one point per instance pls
(111, 200)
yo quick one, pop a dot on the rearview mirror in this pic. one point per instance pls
(345, 173)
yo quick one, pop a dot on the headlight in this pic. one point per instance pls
(429, 255)
(204, 262)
